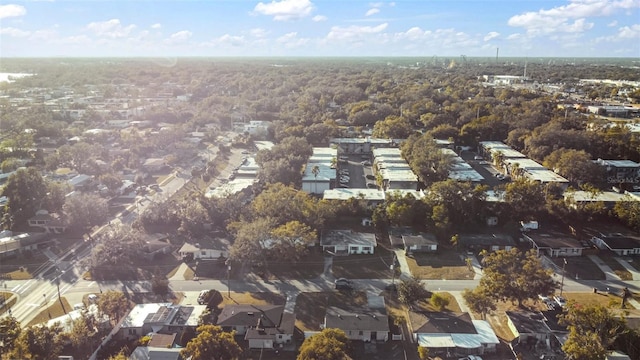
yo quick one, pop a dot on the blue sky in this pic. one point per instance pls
(558, 28)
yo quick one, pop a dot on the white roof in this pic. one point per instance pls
(544, 176)
(417, 194)
(137, 315)
(230, 188)
(387, 152)
(466, 175)
(346, 194)
(605, 196)
(525, 164)
(508, 153)
(398, 175)
(263, 145)
(326, 173)
(326, 152)
(485, 335)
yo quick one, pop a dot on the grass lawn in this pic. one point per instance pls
(604, 299)
(310, 267)
(311, 308)
(581, 266)
(445, 265)
(51, 312)
(10, 268)
(364, 266)
(620, 270)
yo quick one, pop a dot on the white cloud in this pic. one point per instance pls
(285, 10)
(372, 11)
(228, 39)
(12, 10)
(515, 36)
(557, 19)
(13, 32)
(258, 33)
(629, 32)
(156, 26)
(614, 23)
(110, 29)
(354, 31)
(319, 18)
(179, 37)
(291, 40)
(491, 35)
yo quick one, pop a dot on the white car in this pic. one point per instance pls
(471, 357)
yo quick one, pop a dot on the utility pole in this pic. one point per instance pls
(228, 263)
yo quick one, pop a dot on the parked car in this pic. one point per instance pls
(370, 177)
(560, 301)
(366, 163)
(478, 157)
(343, 284)
(372, 186)
(549, 302)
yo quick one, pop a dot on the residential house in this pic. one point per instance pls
(372, 197)
(263, 326)
(620, 244)
(609, 199)
(155, 353)
(159, 318)
(361, 145)
(320, 173)
(14, 245)
(489, 242)
(420, 243)
(80, 181)
(555, 243)
(348, 242)
(206, 248)
(51, 223)
(155, 245)
(452, 333)
(534, 328)
(363, 324)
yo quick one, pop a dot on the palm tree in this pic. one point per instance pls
(315, 170)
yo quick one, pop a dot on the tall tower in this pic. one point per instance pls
(497, 51)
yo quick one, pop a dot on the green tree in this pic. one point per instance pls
(114, 304)
(82, 336)
(84, 211)
(393, 127)
(329, 344)
(411, 290)
(9, 331)
(26, 191)
(512, 275)
(575, 165)
(160, 284)
(629, 213)
(479, 301)
(592, 331)
(439, 301)
(526, 198)
(291, 241)
(423, 353)
(212, 344)
(116, 250)
(38, 342)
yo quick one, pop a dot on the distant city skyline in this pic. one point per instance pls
(121, 28)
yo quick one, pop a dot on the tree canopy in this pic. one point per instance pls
(212, 343)
(329, 344)
(515, 276)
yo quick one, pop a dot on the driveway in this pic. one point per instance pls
(608, 272)
(635, 274)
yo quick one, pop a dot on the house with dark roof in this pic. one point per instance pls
(420, 243)
(51, 223)
(555, 243)
(489, 242)
(14, 245)
(348, 242)
(364, 324)
(263, 326)
(453, 333)
(529, 328)
(620, 244)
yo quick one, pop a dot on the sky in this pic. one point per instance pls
(291, 28)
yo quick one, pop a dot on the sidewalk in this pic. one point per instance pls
(608, 272)
(458, 296)
(405, 272)
(476, 267)
(635, 274)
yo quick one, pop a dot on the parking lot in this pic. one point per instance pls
(484, 168)
(354, 172)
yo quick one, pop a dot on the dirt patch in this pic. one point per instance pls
(443, 265)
